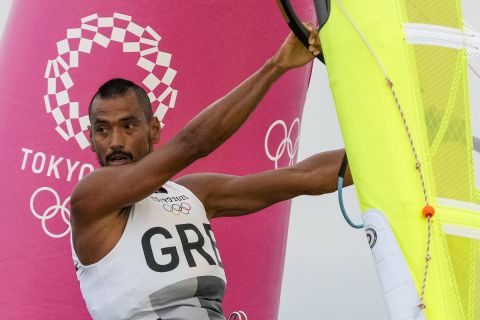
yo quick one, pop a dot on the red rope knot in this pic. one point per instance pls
(428, 211)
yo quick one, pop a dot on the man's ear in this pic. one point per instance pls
(154, 132)
(92, 145)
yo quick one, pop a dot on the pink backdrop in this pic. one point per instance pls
(55, 54)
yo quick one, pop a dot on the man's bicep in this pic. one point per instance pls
(227, 195)
(217, 192)
(209, 188)
(251, 193)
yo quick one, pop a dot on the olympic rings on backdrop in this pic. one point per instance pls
(178, 208)
(238, 315)
(52, 211)
(286, 144)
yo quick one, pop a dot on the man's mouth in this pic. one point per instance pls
(119, 158)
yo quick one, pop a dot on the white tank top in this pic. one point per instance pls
(165, 266)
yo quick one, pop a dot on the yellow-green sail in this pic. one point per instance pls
(403, 41)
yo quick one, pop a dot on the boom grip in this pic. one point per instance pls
(322, 9)
(293, 22)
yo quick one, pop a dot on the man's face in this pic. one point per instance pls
(120, 132)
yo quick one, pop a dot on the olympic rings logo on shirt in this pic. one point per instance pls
(285, 145)
(50, 212)
(176, 208)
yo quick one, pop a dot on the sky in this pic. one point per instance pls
(329, 272)
(4, 9)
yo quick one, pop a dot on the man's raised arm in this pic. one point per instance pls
(111, 188)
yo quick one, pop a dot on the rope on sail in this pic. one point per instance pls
(417, 158)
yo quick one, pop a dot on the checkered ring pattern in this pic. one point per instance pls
(102, 31)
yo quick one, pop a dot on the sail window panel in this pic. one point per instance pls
(441, 76)
(464, 255)
(474, 82)
(439, 12)
(471, 9)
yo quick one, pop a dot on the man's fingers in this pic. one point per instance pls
(313, 39)
(312, 30)
(314, 42)
(309, 26)
(314, 50)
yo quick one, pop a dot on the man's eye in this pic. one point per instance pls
(130, 125)
(101, 130)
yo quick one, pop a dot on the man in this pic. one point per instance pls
(120, 211)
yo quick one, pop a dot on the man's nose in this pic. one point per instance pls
(117, 139)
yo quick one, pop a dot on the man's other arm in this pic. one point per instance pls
(227, 195)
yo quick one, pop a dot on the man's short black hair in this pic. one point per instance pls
(119, 87)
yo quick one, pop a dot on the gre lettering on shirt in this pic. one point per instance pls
(190, 244)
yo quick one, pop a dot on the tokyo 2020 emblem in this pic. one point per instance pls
(101, 31)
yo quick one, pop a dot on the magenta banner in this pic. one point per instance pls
(186, 54)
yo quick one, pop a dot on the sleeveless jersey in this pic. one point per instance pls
(165, 266)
